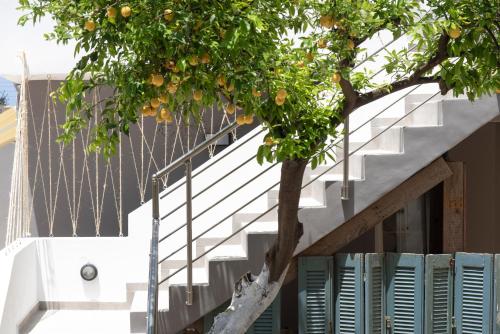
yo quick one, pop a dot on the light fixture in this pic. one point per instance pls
(88, 272)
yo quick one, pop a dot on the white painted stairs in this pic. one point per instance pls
(425, 132)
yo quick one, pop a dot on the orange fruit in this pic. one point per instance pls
(256, 93)
(350, 44)
(146, 110)
(166, 115)
(269, 141)
(279, 101)
(193, 60)
(168, 15)
(248, 119)
(172, 87)
(230, 87)
(230, 108)
(326, 21)
(300, 64)
(157, 80)
(197, 95)
(155, 103)
(111, 12)
(126, 11)
(163, 98)
(169, 64)
(322, 43)
(90, 26)
(336, 77)
(205, 58)
(240, 120)
(221, 80)
(454, 33)
(282, 94)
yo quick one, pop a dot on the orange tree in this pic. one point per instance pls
(289, 63)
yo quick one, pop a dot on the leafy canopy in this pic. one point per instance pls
(290, 63)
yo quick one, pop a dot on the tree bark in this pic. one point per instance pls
(253, 294)
(289, 228)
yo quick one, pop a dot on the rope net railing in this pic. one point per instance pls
(68, 191)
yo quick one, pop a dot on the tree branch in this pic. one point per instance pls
(417, 78)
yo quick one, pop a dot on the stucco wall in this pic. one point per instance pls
(481, 155)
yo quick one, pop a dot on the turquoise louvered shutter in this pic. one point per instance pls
(405, 291)
(374, 293)
(269, 321)
(473, 293)
(438, 294)
(349, 293)
(496, 313)
(315, 295)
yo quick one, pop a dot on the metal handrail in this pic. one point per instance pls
(186, 160)
(303, 186)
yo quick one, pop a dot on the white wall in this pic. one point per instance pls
(18, 284)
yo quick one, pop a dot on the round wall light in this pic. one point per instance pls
(88, 272)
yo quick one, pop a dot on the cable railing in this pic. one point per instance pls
(186, 161)
(277, 183)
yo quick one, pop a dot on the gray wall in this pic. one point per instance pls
(481, 155)
(62, 194)
(6, 160)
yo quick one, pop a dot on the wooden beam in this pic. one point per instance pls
(454, 209)
(387, 205)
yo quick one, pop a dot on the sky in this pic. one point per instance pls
(43, 57)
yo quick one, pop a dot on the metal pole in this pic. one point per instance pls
(153, 263)
(189, 230)
(345, 183)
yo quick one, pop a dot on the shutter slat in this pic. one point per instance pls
(438, 294)
(374, 293)
(473, 293)
(315, 294)
(405, 287)
(349, 293)
(269, 321)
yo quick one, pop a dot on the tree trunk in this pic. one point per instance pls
(289, 228)
(253, 294)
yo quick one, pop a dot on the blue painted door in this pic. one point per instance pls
(438, 293)
(405, 292)
(496, 313)
(349, 294)
(315, 295)
(473, 293)
(374, 293)
(269, 322)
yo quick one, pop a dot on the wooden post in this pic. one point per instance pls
(454, 209)
(379, 237)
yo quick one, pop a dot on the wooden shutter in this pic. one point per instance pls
(473, 293)
(438, 294)
(315, 295)
(405, 291)
(374, 293)
(496, 313)
(269, 321)
(349, 293)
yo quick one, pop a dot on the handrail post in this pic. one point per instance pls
(345, 183)
(189, 232)
(152, 327)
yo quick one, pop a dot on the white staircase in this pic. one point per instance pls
(236, 217)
